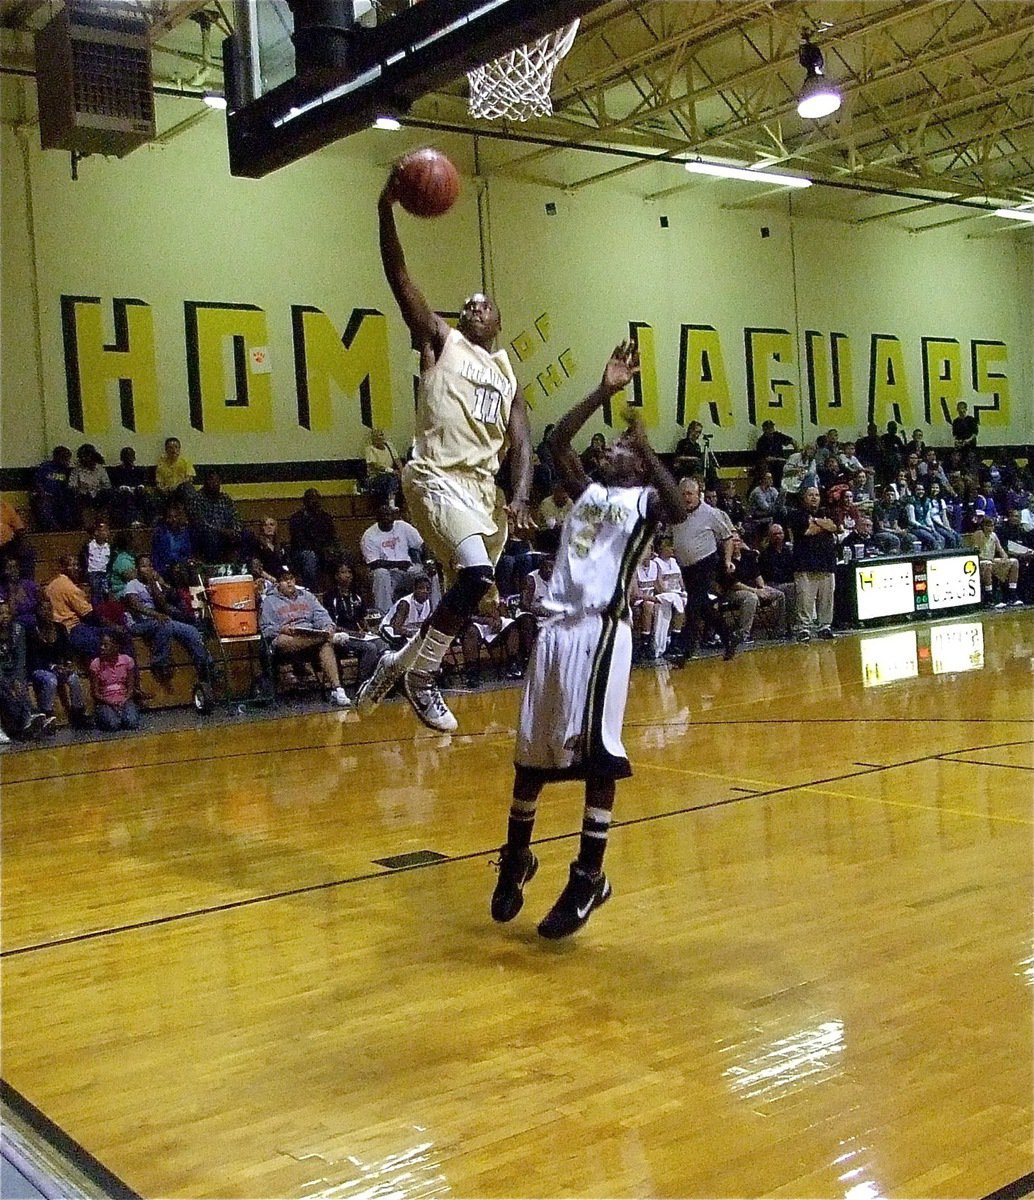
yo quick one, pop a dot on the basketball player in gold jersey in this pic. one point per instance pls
(469, 410)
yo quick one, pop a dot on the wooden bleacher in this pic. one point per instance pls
(352, 515)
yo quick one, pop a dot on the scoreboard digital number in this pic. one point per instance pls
(893, 589)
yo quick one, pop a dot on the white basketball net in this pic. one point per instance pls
(516, 85)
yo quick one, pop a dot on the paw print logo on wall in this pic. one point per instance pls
(260, 360)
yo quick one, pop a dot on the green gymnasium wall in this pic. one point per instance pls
(157, 295)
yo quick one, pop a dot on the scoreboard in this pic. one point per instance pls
(902, 587)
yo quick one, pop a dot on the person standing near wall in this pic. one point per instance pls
(469, 404)
(814, 565)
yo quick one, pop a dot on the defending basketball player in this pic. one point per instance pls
(577, 684)
(469, 407)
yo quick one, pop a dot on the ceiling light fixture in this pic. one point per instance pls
(818, 97)
(721, 171)
(1016, 214)
(215, 100)
(385, 122)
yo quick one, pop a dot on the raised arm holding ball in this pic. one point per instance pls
(469, 408)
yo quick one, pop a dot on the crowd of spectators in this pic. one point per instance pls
(746, 557)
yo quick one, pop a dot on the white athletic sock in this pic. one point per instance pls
(432, 650)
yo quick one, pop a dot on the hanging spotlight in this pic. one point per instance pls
(818, 97)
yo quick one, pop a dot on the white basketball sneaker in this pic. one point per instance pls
(387, 673)
(423, 694)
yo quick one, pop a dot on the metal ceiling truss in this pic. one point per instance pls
(938, 94)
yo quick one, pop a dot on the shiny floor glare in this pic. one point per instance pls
(814, 977)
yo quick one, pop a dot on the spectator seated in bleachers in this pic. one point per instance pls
(670, 596)
(51, 500)
(407, 614)
(730, 503)
(114, 685)
(130, 498)
(530, 608)
(74, 612)
(850, 463)
(940, 514)
(266, 546)
(827, 458)
(171, 541)
(123, 564)
(996, 566)
(644, 608)
(1018, 542)
(889, 524)
(90, 484)
(22, 595)
(747, 594)
(297, 627)
(930, 470)
(775, 562)
(861, 540)
(383, 469)
(314, 542)
(554, 508)
(494, 632)
(800, 470)
(96, 561)
(347, 610)
(173, 474)
(919, 519)
(153, 618)
(215, 526)
(14, 545)
(18, 719)
(51, 669)
(764, 503)
(391, 549)
(593, 454)
(517, 559)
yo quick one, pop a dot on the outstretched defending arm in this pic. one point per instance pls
(668, 496)
(617, 374)
(429, 330)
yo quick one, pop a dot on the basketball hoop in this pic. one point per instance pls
(516, 85)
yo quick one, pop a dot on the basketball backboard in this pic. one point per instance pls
(293, 89)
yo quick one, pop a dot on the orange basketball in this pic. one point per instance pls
(427, 182)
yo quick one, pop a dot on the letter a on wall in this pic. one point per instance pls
(703, 382)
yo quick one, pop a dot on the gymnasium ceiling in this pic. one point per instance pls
(938, 94)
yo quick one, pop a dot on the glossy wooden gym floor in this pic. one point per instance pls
(814, 979)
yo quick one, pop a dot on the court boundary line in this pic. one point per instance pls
(977, 762)
(384, 873)
(65, 1146)
(1018, 1188)
(259, 751)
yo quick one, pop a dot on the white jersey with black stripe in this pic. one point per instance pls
(603, 540)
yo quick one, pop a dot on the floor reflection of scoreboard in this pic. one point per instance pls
(887, 657)
(957, 647)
